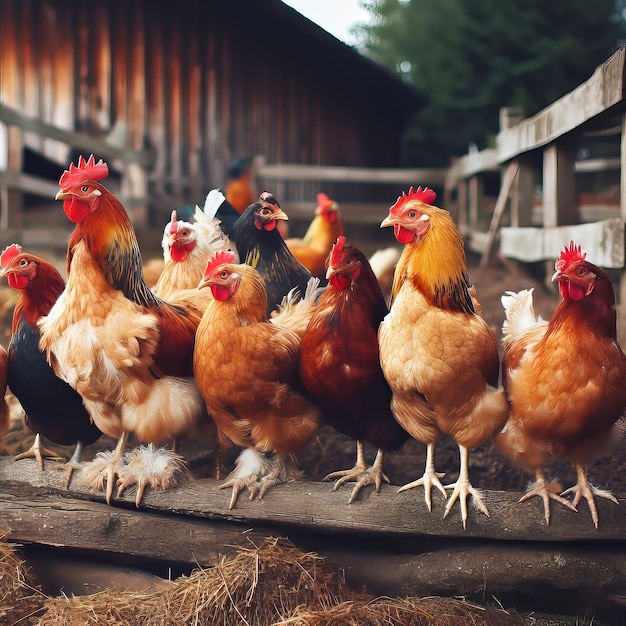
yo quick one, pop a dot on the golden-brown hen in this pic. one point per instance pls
(564, 379)
(438, 356)
(312, 250)
(127, 352)
(247, 369)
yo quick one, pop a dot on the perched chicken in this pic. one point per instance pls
(565, 379)
(260, 245)
(247, 369)
(53, 409)
(127, 352)
(340, 364)
(438, 356)
(312, 250)
(187, 247)
(5, 414)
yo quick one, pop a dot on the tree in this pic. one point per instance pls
(473, 57)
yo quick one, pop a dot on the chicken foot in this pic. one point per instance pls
(74, 462)
(360, 473)
(106, 467)
(149, 466)
(584, 488)
(283, 468)
(249, 468)
(430, 478)
(39, 452)
(462, 488)
(547, 491)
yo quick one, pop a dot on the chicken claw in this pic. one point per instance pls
(584, 488)
(146, 466)
(547, 492)
(39, 452)
(463, 488)
(283, 469)
(361, 474)
(249, 468)
(430, 478)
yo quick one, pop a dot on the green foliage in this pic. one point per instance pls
(473, 57)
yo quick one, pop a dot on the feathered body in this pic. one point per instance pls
(313, 249)
(126, 351)
(439, 357)
(564, 378)
(261, 246)
(247, 367)
(340, 364)
(5, 414)
(51, 406)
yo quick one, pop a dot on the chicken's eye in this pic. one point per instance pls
(223, 274)
(265, 212)
(23, 262)
(84, 188)
(412, 213)
(580, 271)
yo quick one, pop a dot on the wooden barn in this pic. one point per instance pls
(168, 93)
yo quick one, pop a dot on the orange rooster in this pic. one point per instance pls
(340, 365)
(564, 379)
(247, 369)
(312, 250)
(127, 352)
(438, 356)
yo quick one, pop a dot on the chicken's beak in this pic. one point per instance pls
(556, 276)
(3, 271)
(388, 221)
(61, 195)
(280, 215)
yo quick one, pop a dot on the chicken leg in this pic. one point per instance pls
(360, 473)
(249, 468)
(106, 467)
(584, 488)
(430, 478)
(547, 491)
(39, 452)
(463, 488)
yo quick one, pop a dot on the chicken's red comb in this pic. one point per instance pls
(424, 195)
(173, 224)
(220, 257)
(323, 201)
(337, 251)
(9, 253)
(85, 170)
(569, 255)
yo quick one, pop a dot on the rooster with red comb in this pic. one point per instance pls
(564, 379)
(438, 355)
(125, 350)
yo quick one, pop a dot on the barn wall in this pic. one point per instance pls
(198, 81)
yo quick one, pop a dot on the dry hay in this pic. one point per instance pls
(20, 598)
(274, 583)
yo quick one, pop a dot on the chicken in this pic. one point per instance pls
(312, 250)
(52, 408)
(127, 352)
(564, 378)
(187, 247)
(239, 191)
(247, 369)
(260, 245)
(5, 413)
(340, 365)
(438, 356)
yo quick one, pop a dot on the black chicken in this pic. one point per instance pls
(259, 244)
(53, 409)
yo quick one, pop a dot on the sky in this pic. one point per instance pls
(335, 16)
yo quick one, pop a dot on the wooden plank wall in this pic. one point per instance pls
(200, 82)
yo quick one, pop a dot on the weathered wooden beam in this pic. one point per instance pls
(314, 507)
(77, 140)
(599, 94)
(603, 242)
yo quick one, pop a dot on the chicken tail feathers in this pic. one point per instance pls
(520, 313)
